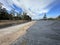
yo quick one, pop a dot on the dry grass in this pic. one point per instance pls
(5, 22)
(8, 39)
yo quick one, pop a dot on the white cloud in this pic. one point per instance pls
(36, 6)
(7, 4)
(32, 7)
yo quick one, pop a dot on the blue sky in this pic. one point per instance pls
(34, 8)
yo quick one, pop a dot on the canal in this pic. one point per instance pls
(41, 33)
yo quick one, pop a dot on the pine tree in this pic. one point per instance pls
(45, 17)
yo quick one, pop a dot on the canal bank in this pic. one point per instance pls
(10, 34)
(8, 23)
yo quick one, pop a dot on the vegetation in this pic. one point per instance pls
(4, 15)
(58, 18)
(51, 19)
(45, 17)
(25, 17)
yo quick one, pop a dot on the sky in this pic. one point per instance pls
(34, 8)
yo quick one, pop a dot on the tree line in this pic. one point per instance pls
(4, 15)
(56, 18)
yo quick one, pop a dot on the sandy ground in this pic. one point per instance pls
(10, 34)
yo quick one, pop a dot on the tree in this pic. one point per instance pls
(12, 12)
(45, 17)
(25, 17)
(10, 17)
(4, 14)
(1, 5)
(59, 16)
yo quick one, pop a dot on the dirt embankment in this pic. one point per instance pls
(6, 23)
(9, 38)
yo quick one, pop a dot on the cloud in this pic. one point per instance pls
(32, 7)
(7, 4)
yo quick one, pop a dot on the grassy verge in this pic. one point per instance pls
(7, 23)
